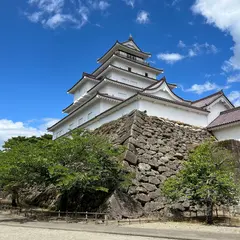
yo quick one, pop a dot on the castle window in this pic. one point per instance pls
(146, 74)
(129, 69)
(90, 115)
(71, 126)
(132, 57)
(80, 121)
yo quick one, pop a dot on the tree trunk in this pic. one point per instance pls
(209, 217)
(14, 199)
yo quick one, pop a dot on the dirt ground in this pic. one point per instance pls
(19, 233)
(184, 226)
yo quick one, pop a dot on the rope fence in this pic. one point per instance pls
(104, 219)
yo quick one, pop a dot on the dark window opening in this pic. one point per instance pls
(130, 56)
(129, 69)
(146, 74)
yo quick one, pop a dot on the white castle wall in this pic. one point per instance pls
(136, 68)
(117, 91)
(215, 111)
(227, 133)
(128, 78)
(173, 113)
(80, 117)
(83, 89)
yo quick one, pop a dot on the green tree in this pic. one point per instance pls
(83, 162)
(206, 178)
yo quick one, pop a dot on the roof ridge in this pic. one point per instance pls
(162, 80)
(155, 83)
(131, 39)
(216, 93)
(230, 110)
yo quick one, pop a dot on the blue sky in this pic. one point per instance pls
(45, 45)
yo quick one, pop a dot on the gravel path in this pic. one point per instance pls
(19, 233)
(183, 226)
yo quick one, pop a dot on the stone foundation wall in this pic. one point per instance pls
(156, 147)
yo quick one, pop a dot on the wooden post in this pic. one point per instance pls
(59, 214)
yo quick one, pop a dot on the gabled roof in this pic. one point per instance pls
(203, 102)
(157, 85)
(131, 40)
(206, 101)
(225, 118)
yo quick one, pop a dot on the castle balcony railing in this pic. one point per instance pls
(131, 57)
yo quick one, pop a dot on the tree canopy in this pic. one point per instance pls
(82, 161)
(207, 178)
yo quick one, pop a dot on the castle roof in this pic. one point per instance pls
(203, 102)
(231, 116)
(125, 47)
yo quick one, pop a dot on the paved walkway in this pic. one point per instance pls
(120, 231)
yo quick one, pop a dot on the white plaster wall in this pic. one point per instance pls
(128, 78)
(105, 105)
(77, 119)
(173, 113)
(117, 90)
(83, 89)
(113, 116)
(227, 133)
(136, 68)
(162, 94)
(215, 111)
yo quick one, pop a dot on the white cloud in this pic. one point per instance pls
(103, 5)
(190, 51)
(170, 57)
(130, 3)
(58, 19)
(205, 48)
(181, 44)
(175, 2)
(206, 87)
(208, 75)
(234, 78)
(9, 129)
(223, 14)
(58, 13)
(35, 17)
(50, 6)
(99, 5)
(143, 17)
(234, 96)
